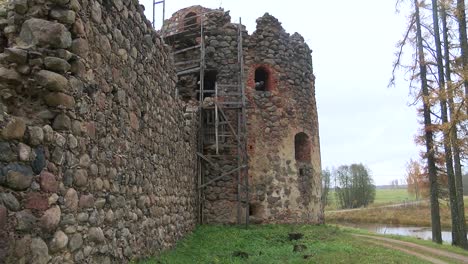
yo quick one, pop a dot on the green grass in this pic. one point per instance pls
(382, 196)
(389, 196)
(270, 244)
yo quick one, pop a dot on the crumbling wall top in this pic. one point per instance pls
(190, 17)
(268, 21)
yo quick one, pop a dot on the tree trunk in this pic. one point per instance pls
(456, 147)
(445, 121)
(435, 214)
(461, 17)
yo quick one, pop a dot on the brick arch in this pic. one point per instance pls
(262, 79)
(265, 73)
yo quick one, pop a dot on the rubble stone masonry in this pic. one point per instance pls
(282, 123)
(97, 156)
(98, 136)
(283, 131)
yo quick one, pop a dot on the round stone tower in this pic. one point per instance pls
(282, 134)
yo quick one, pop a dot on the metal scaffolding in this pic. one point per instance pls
(155, 3)
(222, 134)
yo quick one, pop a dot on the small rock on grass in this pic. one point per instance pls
(240, 254)
(299, 248)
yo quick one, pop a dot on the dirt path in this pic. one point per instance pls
(407, 251)
(423, 252)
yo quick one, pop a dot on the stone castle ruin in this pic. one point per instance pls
(116, 140)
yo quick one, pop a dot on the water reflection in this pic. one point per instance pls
(418, 232)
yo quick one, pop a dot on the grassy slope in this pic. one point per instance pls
(382, 196)
(270, 244)
(416, 215)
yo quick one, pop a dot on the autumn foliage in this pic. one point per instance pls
(417, 179)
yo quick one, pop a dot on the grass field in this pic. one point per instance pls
(271, 244)
(389, 196)
(382, 196)
(412, 215)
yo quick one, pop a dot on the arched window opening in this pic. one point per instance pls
(261, 79)
(302, 147)
(190, 21)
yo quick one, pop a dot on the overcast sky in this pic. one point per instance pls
(353, 43)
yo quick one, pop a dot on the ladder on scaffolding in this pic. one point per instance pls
(225, 111)
(230, 132)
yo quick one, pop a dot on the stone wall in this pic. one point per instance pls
(97, 156)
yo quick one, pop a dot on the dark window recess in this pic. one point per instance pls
(302, 147)
(256, 209)
(251, 209)
(209, 84)
(301, 172)
(261, 79)
(190, 21)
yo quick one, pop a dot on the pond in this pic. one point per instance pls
(411, 231)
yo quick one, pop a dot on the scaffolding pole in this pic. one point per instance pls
(216, 120)
(201, 117)
(163, 2)
(227, 110)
